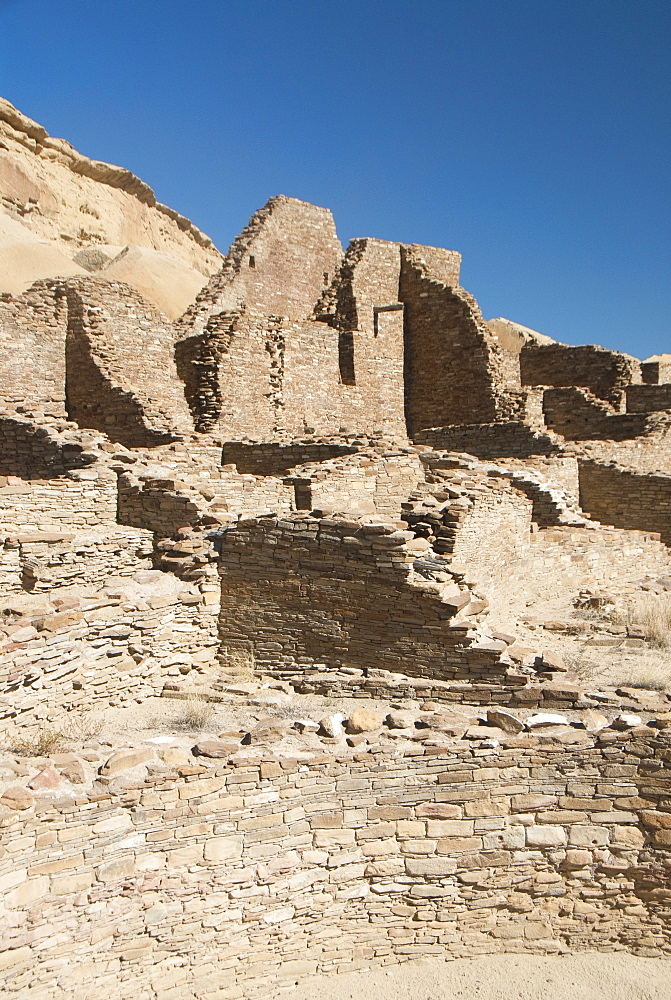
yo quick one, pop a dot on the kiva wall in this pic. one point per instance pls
(227, 882)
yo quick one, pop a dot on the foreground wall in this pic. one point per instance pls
(226, 882)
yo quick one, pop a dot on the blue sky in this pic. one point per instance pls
(533, 137)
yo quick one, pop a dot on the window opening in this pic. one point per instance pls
(346, 357)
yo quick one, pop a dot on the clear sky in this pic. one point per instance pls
(533, 136)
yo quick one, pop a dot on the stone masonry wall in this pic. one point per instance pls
(510, 439)
(368, 278)
(274, 458)
(605, 373)
(32, 348)
(79, 501)
(577, 414)
(265, 377)
(278, 266)
(367, 284)
(297, 591)
(121, 376)
(657, 370)
(366, 483)
(493, 535)
(626, 499)
(644, 398)
(94, 653)
(455, 373)
(224, 882)
(41, 448)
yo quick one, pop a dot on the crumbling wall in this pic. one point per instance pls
(342, 592)
(278, 265)
(577, 414)
(559, 470)
(266, 377)
(626, 499)
(226, 371)
(32, 348)
(604, 373)
(455, 372)
(41, 448)
(367, 282)
(87, 655)
(570, 559)
(157, 504)
(121, 377)
(274, 870)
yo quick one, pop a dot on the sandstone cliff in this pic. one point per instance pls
(54, 203)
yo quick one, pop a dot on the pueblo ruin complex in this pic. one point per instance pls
(325, 629)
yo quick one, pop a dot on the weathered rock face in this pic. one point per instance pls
(54, 202)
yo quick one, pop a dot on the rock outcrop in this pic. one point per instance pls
(55, 202)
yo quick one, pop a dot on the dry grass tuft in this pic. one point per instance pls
(196, 712)
(39, 742)
(653, 613)
(81, 729)
(653, 676)
(238, 662)
(44, 739)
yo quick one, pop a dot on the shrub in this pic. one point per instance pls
(196, 712)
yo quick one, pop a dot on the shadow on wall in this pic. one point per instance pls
(35, 452)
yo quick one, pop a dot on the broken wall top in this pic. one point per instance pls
(278, 265)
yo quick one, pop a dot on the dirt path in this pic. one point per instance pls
(593, 976)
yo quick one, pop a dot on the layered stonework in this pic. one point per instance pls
(259, 873)
(121, 376)
(605, 373)
(279, 265)
(32, 348)
(375, 602)
(455, 371)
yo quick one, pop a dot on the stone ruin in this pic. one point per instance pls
(328, 482)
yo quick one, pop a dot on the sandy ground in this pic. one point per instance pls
(593, 976)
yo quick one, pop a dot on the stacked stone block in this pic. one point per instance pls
(258, 872)
(121, 376)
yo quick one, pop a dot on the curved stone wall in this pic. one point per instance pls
(229, 881)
